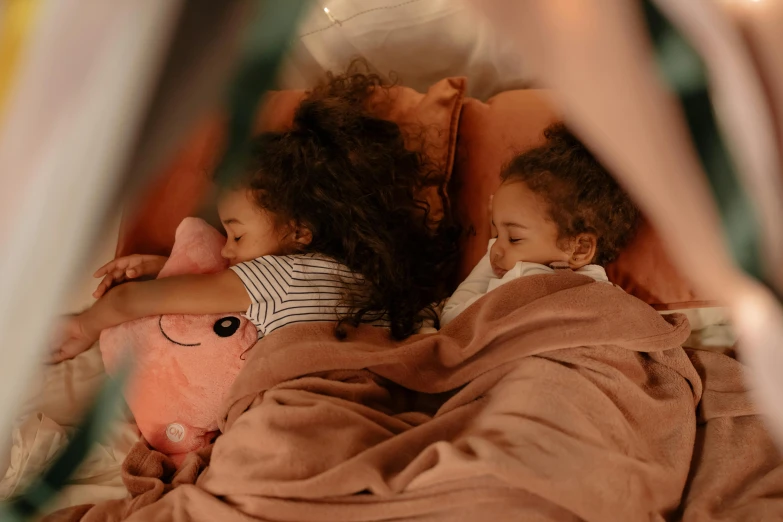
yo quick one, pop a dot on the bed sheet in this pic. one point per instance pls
(54, 406)
(710, 330)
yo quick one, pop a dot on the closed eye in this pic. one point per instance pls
(237, 238)
(517, 240)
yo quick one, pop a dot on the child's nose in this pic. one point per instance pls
(227, 252)
(495, 253)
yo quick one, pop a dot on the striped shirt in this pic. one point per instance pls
(300, 288)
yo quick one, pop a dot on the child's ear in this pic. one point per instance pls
(302, 235)
(584, 251)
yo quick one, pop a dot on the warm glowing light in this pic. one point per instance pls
(330, 17)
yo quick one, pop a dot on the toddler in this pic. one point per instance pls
(323, 225)
(556, 207)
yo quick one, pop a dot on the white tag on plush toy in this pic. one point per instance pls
(175, 432)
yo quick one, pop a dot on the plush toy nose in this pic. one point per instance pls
(226, 326)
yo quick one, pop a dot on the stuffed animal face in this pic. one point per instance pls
(183, 364)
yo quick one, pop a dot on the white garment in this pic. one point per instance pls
(301, 288)
(483, 280)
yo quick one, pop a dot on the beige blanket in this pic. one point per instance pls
(553, 398)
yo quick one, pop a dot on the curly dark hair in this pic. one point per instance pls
(581, 195)
(348, 177)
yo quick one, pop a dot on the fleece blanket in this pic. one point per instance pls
(552, 398)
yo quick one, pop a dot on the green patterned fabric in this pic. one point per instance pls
(273, 28)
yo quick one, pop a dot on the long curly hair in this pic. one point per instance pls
(581, 194)
(348, 177)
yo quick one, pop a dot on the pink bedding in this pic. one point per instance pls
(553, 398)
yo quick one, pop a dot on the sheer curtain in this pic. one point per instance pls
(422, 41)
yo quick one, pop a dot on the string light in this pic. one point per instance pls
(329, 15)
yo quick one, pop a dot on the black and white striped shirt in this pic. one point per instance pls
(292, 289)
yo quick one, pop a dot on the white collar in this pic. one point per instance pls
(524, 268)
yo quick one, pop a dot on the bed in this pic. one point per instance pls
(473, 127)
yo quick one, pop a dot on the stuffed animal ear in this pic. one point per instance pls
(196, 250)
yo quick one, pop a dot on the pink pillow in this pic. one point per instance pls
(183, 364)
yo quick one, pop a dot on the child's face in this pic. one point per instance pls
(251, 231)
(525, 232)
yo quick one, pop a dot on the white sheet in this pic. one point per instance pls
(45, 423)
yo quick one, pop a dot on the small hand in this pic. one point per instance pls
(493, 231)
(71, 338)
(128, 267)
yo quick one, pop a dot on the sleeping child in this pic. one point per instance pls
(556, 207)
(323, 225)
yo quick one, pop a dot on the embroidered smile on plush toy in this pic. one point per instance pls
(183, 364)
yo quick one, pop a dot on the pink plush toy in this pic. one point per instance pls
(183, 364)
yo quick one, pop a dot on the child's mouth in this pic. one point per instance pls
(499, 272)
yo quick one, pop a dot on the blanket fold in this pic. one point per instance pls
(737, 472)
(552, 398)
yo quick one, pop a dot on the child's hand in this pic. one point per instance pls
(493, 231)
(128, 267)
(71, 338)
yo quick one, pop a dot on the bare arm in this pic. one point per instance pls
(187, 294)
(125, 268)
(184, 294)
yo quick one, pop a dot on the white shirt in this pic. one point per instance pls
(300, 288)
(483, 280)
